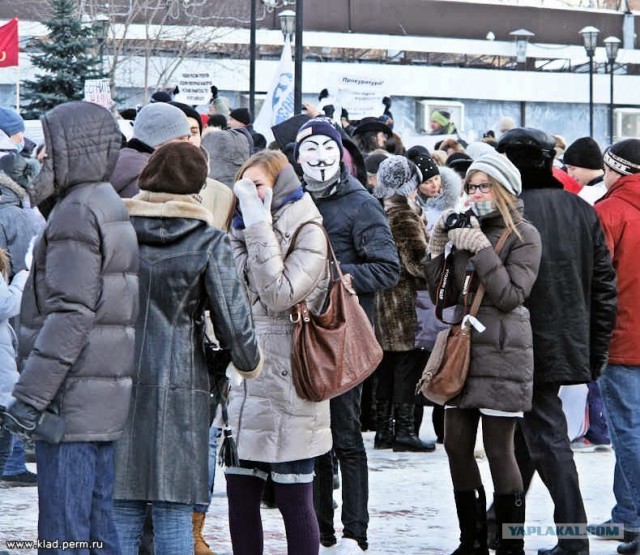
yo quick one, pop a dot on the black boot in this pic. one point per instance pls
(510, 509)
(384, 426)
(406, 438)
(471, 507)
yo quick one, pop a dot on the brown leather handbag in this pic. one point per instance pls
(334, 351)
(446, 371)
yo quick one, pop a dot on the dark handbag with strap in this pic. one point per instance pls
(446, 371)
(334, 351)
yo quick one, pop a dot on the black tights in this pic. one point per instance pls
(460, 428)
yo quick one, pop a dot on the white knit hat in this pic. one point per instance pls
(501, 169)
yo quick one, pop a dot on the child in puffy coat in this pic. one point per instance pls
(10, 299)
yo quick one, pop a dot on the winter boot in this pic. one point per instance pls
(406, 438)
(384, 433)
(471, 507)
(510, 509)
(200, 547)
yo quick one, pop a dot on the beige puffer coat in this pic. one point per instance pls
(270, 422)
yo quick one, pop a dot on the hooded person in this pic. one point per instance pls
(185, 265)
(360, 236)
(619, 214)
(395, 319)
(228, 149)
(572, 319)
(155, 125)
(83, 287)
(218, 105)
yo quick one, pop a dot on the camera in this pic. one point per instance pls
(456, 220)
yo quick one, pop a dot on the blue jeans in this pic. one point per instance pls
(349, 449)
(172, 527)
(15, 463)
(75, 496)
(213, 452)
(620, 387)
(5, 447)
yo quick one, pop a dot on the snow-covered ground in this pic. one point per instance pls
(411, 506)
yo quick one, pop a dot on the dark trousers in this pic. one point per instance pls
(349, 448)
(544, 429)
(398, 375)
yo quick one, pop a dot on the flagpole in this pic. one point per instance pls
(18, 87)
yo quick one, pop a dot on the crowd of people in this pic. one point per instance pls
(126, 243)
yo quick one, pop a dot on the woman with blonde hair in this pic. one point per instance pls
(281, 256)
(499, 385)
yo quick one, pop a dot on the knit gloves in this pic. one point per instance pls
(439, 239)
(254, 210)
(469, 238)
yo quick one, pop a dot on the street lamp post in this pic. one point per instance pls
(297, 103)
(522, 37)
(287, 23)
(590, 38)
(611, 45)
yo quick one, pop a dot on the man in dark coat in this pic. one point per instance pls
(77, 337)
(573, 310)
(362, 240)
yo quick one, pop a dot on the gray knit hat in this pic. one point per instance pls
(501, 169)
(158, 123)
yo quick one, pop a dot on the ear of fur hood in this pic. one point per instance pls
(451, 189)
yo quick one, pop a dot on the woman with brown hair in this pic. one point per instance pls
(281, 261)
(499, 385)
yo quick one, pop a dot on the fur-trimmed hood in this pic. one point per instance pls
(170, 217)
(11, 192)
(447, 199)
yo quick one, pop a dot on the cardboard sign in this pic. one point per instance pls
(361, 96)
(98, 91)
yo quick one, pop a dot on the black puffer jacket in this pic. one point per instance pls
(573, 302)
(81, 301)
(361, 238)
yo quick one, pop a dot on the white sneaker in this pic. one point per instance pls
(347, 546)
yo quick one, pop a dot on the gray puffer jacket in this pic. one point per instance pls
(81, 301)
(271, 423)
(501, 370)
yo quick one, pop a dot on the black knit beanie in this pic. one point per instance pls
(242, 115)
(584, 153)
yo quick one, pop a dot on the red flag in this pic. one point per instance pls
(9, 44)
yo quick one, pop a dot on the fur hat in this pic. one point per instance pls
(178, 168)
(623, 157)
(501, 169)
(397, 175)
(11, 122)
(584, 153)
(242, 115)
(317, 126)
(158, 123)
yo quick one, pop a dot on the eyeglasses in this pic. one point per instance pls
(483, 187)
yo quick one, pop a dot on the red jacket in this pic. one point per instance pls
(619, 212)
(568, 183)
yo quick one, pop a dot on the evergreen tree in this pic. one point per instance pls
(67, 57)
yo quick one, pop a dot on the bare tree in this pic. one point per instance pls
(163, 33)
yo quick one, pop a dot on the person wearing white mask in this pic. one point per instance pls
(362, 240)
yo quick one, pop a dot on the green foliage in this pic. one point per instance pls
(67, 56)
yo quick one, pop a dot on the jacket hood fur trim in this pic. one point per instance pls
(451, 190)
(167, 205)
(6, 181)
